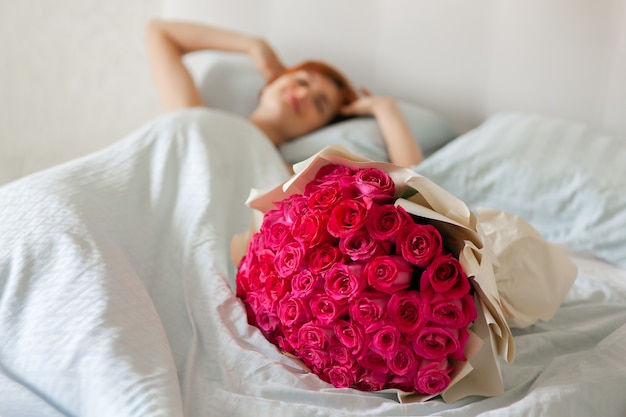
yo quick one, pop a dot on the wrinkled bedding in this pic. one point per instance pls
(116, 296)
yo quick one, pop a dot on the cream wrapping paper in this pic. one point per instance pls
(519, 278)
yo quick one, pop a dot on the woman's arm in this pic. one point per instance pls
(168, 41)
(402, 147)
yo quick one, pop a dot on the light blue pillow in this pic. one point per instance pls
(362, 135)
(565, 178)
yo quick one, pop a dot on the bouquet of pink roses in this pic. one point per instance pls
(375, 278)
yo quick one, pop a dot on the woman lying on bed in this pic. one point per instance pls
(294, 101)
(117, 289)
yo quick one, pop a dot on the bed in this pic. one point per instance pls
(117, 286)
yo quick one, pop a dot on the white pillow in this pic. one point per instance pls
(565, 178)
(226, 80)
(229, 81)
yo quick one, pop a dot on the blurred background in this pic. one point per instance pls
(74, 74)
(74, 78)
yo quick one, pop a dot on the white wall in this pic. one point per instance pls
(466, 59)
(73, 78)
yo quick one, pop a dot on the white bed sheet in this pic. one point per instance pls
(116, 297)
(564, 177)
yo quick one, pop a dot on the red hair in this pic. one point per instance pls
(346, 92)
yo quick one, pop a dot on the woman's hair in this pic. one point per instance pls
(346, 93)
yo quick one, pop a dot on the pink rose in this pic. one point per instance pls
(330, 175)
(322, 257)
(385, 340)
(327, 310)
(386, 221)
(407, 311)
(289, 259)
(445, 275)
(276, 234)
(404, 362)
(374, 183)
(325, 198)
(433, 377)
(266, 256)
(340, 355)
(252, 304)
(374, 361)
(293, 207)
(347, 217)
(437, 342)
(257, 276)
(276, 287)
(314, 335)
(351, 335)
(388, 273)
(284, 344)
(372, 381)
(242, 283)
(341, 376)
(256, 244)
(360, 246)
(258, 300)
(290, 334)
(272, 216)
(332, 172)
(419, 244)
(404, 383)
(310, 229)
(452, 312)
(254, 270)
(344, 281)
(267, 321)
(293, 311)
(369, 307)
(316, 359)
(305, 283)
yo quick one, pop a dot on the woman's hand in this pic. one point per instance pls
(367, 105)
(265, 59)
(402, 148)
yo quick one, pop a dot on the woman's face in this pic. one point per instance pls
(300, 102)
